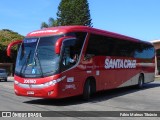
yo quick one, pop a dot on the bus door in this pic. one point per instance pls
(68, 67)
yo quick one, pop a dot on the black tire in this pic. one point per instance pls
(140, 82)
(5, 80)
(87, 90)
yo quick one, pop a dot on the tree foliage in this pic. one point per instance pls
(51, 23)
(7, 36)
(44, 25)
(74, 12)
(71, 12)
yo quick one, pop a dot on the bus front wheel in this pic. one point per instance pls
(87, 90)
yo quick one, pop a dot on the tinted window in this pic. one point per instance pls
(144, 51)
(124, 48)
(100, 45)
(80, 36)
(106, 46)
(71, 50)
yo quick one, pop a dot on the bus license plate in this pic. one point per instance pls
(30, 92)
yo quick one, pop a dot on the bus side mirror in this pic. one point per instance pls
(9, 47)
(59, 42)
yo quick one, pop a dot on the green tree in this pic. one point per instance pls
(7, 36)
(44, 25)
(74, 12)
(51, 23)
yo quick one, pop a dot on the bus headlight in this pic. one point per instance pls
(53, 82)
(47, 84)
(50, 83)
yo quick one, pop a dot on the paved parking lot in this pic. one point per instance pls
(124, 99)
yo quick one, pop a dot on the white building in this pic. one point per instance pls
(156, 44)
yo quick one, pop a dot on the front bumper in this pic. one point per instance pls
(49, 92)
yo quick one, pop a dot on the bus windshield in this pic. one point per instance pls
(37, 58)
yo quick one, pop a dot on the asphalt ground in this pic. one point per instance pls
(129, 100)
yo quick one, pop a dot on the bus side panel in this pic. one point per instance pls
(109, 78)
(115, 76)
(149, 71)
(145, 68)
(73, 84)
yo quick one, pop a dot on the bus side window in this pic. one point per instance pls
(69, 57)
(99, 45)
(66, 56)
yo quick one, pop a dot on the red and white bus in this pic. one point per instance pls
(66, 61)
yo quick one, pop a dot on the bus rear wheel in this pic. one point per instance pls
(140, 82)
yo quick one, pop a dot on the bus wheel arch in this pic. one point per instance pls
(89, 88)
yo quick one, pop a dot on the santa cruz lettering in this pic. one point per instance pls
(119, 63)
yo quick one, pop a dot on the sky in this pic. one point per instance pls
(135, 18)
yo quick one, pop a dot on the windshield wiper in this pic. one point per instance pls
(25, 63)
(36, 56)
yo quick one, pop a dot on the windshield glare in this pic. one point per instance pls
(37, 58)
